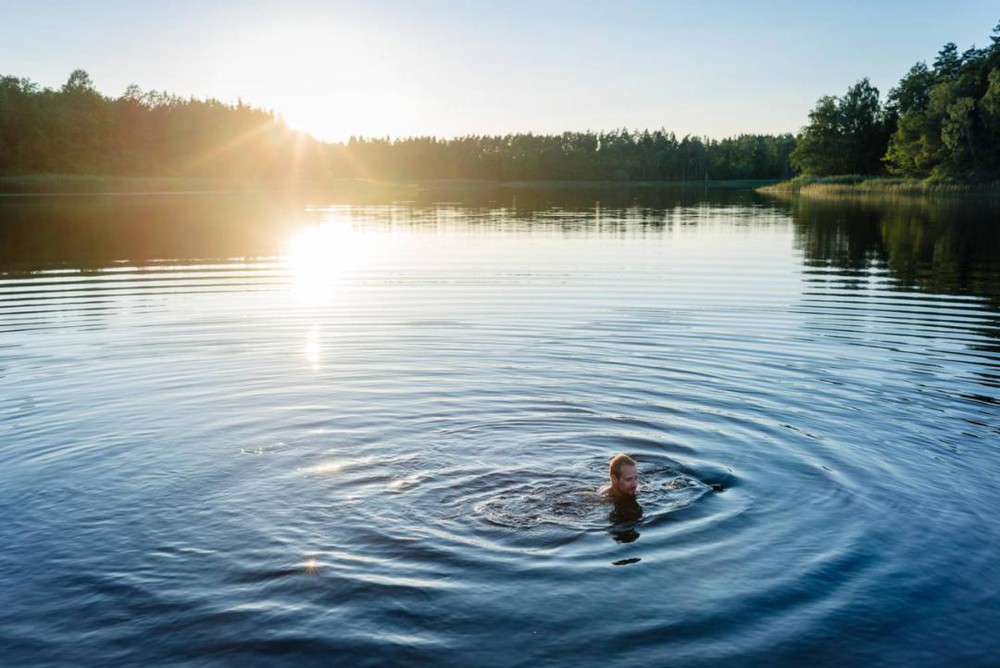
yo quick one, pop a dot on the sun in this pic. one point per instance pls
(337, 115)
(330, 86)
(314, 114)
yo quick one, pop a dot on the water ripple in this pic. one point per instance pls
(401, 460)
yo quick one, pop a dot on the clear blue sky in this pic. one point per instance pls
(391, 67)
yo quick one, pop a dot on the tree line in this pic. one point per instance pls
(940, 121)
(77, 130)
(617, 155)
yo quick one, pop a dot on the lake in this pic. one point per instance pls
(257, 430)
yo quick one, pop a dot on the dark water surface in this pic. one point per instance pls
(250, 431)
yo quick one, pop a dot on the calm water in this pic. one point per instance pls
(247, 431)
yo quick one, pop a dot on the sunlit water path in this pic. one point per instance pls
(374, 432)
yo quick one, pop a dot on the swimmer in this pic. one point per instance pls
(624, 477)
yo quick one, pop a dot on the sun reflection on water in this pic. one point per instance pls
(321, 259)
(313, 349)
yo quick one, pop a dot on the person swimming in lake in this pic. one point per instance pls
(626, 512)
(624, 478)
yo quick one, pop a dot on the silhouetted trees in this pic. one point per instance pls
(77, 130)
(617, 155)
(941, 121)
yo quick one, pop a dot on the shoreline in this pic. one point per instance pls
(58, 185)
(36, 185)
(886, 186)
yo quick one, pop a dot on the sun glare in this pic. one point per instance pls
(313, 114)
(322, 260)
(313, 349)
(330, 87)
(338, 115)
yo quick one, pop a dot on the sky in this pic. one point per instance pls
(376, 68)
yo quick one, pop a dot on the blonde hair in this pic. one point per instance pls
(617, 462)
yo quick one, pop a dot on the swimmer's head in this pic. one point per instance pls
(624, 476)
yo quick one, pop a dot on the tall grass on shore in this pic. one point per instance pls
(857, 184)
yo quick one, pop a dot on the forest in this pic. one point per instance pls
(77, 130)
(941, 121)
